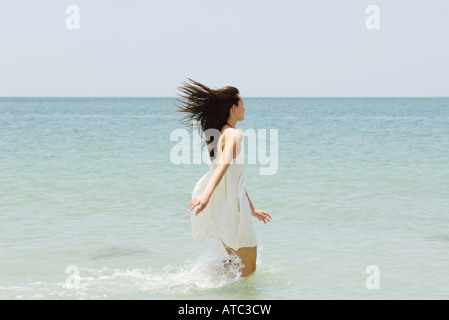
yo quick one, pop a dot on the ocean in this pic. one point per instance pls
(94, 206)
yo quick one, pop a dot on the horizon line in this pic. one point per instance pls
(249, 97)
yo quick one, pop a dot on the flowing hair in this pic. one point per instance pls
(208, 107)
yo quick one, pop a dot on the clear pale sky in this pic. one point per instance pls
(281, 48)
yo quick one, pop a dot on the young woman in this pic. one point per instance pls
(223, 207)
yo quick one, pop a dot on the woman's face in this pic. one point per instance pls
(240, 109)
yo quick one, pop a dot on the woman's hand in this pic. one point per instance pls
(200, 201)
(261, 215)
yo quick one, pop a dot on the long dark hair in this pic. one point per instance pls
(210, 107)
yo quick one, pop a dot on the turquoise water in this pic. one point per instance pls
(88, 189)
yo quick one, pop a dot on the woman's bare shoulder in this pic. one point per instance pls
(231, 131)
(232, 134)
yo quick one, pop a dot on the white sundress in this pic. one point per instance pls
(227, 216)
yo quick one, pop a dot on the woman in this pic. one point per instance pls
(223, 207)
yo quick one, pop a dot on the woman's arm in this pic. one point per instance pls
(250, 203)
(259, 214)
(229, 152)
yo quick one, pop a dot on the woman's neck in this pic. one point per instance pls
(231, 123)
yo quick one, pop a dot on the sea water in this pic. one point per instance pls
(93, 207)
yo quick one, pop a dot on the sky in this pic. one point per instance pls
(282, 48)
